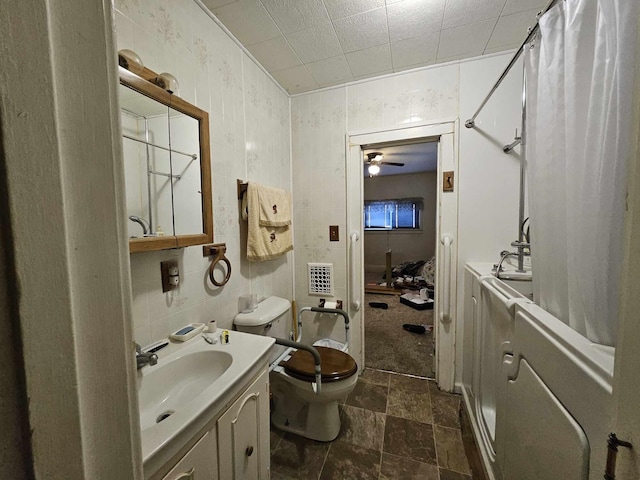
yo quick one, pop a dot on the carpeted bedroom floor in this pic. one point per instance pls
(390, 347)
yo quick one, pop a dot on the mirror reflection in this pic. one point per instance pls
(185, 166)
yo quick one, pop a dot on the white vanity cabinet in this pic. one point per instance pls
(243, 434)
(233, 445)
(200, 462)
(204, 410)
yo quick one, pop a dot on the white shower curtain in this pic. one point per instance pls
(579, 74)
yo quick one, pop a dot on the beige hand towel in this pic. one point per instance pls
(264, 242)
(275, 208)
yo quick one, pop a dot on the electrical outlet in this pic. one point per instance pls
(170, 275)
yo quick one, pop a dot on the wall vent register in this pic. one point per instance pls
(320, 278)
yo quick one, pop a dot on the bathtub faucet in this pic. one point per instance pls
(524, 250)
(504, 255)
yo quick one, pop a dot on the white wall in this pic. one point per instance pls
(487, 179)
(72, 298)
(250, 139)
(406, 245)
(318, 126)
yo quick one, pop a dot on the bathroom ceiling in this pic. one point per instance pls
(311, 44)
(417, 158)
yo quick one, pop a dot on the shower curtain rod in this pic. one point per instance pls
(532, 31)
(193, 156)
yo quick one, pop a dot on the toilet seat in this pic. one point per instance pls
(335, 365)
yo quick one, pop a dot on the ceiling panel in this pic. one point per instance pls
(248, 20)
(515, 6)
(346, 8)
(510, 26)
(463, 12)
(465, 39)
(275, 54)
(421, 50)
(296, 79)
(331, 71)
(413, 18)
(363, 30)
(315, 43)
(294, 15)
(369, 61)
(309, 44)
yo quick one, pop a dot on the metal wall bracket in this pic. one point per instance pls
(612, 452)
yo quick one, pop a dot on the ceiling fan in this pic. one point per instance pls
(375, 159)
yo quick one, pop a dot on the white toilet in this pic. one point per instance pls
(296, 406)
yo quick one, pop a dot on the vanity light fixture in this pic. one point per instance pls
(168, 82)
(131, 61)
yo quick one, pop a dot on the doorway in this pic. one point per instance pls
(444, 330)
(399, 238)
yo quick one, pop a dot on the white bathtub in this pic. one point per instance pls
(537, 392)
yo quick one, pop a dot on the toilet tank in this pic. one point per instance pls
(271, 318)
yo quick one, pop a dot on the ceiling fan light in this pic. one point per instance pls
(374, 169)
(378, 157)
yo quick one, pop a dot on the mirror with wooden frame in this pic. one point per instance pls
(167, 166)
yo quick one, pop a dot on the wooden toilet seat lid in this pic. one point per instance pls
(335, 365)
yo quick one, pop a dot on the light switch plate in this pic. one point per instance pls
(334, 233)
(447, 181)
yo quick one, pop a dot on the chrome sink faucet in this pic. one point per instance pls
(145, 358)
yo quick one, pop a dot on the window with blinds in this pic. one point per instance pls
(393, 214)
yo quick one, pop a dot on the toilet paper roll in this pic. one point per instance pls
(330, 304)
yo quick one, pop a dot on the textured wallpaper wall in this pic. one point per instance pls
(250, 140)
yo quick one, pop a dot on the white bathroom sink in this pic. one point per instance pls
(189, 388)
(170, 385)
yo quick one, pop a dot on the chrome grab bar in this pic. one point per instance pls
(355, 292)
(445, 312)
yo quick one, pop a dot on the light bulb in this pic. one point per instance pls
(168, 82)
(131, 61)
(374, 169)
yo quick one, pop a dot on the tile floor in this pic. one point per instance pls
(393, 427)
